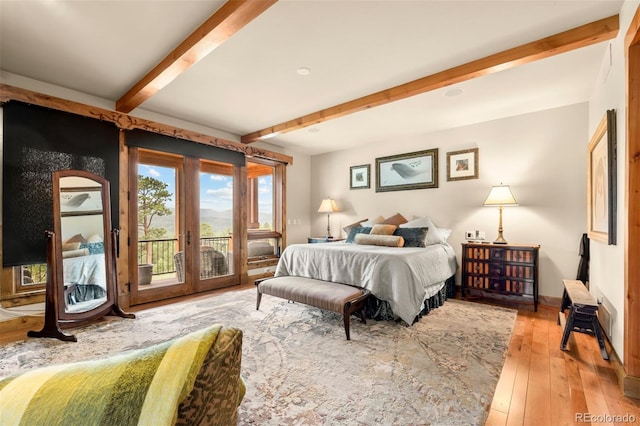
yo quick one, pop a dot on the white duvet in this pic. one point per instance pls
(405, 277)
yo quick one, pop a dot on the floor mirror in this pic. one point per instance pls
(81, 258)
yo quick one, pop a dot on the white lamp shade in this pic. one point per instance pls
(328, 205)
(500, 195)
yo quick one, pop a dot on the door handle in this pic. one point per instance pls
(189, 238)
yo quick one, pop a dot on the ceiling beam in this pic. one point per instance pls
(585, 35)
(228, 20)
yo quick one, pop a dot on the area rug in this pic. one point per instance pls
(300, 370)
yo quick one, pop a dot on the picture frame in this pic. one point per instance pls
(462, 165)
(602, 181)
(360, 177)
(414, 170)
(80, 201)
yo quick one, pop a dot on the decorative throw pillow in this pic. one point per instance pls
(371, 222)
(413, 237)
(70, 246)
(94, 248)
(396, 219)
(78, 238)
(380, 240)
(433, 236)
(381, 229)
(347, 229)
(355, 231)
(75, 253)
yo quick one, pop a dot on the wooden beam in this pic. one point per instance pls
(128, 122)
(228, 20)
(585, 35)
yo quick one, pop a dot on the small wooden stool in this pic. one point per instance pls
(583, 316)
(340, 298)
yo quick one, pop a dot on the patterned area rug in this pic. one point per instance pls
(300, 370)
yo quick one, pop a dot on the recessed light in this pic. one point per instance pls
(314, 130)
(453, 92)
(303, 71)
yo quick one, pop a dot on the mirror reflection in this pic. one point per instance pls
(83, 249)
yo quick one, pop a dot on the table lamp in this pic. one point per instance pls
(328, 206)
(500, 195)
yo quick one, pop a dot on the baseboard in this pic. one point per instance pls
(630, 385)
(550, 301)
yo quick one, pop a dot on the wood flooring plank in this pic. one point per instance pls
(518, 401)
(538, 402)
(596, 400)
(496, 418)
(504, 388)
(560, 393)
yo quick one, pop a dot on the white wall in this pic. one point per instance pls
(541, 155)
(607, 262)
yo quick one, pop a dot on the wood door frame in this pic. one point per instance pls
(631, 380)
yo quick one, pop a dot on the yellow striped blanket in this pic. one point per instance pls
(141, 387)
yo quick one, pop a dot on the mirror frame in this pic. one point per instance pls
(56, 316)
(104, 308)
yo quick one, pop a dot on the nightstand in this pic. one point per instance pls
(323, 240)
(505, 271)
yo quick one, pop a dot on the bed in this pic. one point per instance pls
(407, 278)
(84, 280)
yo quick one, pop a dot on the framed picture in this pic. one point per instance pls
(601, 181)
(360, 177)
(416, 170)
(462, 165)
(79, 201)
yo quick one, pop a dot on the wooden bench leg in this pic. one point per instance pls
(567, 330)
(600, 337)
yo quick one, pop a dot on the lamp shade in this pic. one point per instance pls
(500, 195)
(328, 205)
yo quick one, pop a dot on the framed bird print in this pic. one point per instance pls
(415, 170)
(78, 201)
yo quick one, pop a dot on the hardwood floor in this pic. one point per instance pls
(540, 385)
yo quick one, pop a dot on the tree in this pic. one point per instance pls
(152, 198)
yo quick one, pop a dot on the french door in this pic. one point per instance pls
(181, 225)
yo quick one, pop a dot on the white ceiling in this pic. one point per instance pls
(353, 48)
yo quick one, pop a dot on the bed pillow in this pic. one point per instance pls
(347, 229)
(95, 238)
(94, 248)
(380, 240)
(78, 238)
(355, 231)
(396, 219)
(75, 253)
(445, 233)
(413, 237)
(381, 229)
(374, 221)
(70, 246)
(433, 235)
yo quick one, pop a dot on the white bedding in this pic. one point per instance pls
(405, 277)
(85, 270)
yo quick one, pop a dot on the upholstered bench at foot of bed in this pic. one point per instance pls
(330, 296)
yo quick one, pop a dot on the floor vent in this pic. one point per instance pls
(604, 317)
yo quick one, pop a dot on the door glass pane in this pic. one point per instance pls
(159, 244)
(216, 220)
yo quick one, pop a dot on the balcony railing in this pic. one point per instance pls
(160, 252)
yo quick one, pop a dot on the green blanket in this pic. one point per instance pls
(142, 387)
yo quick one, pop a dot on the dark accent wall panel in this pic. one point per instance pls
(36, 142)
(144, 139)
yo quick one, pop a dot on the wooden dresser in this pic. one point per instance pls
(508, 272)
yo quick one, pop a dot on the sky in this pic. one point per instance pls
(216, 191)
